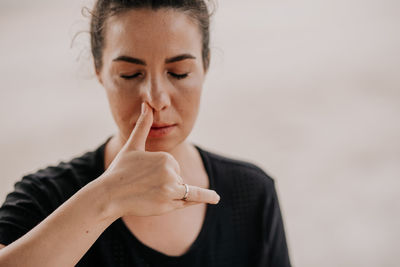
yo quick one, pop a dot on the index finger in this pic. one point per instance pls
(138, 137)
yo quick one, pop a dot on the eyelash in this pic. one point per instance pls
(130, 77)
(176, 76)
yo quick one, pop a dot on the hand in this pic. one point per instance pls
(141, 183)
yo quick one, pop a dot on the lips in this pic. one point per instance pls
(161, 125)
(159, 130)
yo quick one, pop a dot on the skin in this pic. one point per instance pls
(144, 175)
(155, 37)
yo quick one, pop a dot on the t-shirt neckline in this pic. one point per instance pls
(155, 255)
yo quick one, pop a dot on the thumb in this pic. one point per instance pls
(138, 137)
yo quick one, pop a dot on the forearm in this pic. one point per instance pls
(65, 235)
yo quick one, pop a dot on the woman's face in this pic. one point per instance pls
(156, 57)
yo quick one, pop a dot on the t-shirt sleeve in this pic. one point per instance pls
(275, 250)
(32, 200)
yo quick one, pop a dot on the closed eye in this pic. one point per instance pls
(178, 76)
(128, 77)
(175, 75)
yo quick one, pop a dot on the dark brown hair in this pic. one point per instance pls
(103, 9)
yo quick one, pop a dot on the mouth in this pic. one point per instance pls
(161, 125)
(161, 130)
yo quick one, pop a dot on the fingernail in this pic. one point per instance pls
(143, 107)
(217, 199)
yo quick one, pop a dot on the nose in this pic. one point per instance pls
(157, 95)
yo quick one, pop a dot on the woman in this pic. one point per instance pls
(146, 197)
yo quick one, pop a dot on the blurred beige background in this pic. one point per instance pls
(309, 90)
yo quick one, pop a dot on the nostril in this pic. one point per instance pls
(159, 104)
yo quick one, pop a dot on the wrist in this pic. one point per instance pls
(100, 195)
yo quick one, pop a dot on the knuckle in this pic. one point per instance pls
(179, 179)
(176, 166)
(166, 159)
(164, 156)
(168, 173)
(166, 190)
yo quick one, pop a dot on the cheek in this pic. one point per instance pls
(188, 99)
(122, 105)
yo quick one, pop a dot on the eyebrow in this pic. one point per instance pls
(130, 60)
(142, 62)
(179, 58)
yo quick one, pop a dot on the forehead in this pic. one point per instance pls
(145, 31)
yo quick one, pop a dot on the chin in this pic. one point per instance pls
(154, 145)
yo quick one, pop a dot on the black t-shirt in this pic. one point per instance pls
(244, 229)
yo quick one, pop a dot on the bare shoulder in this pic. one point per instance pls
(2, 246)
